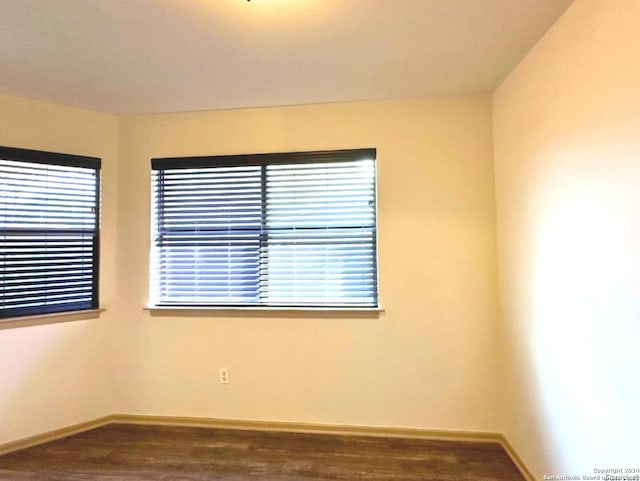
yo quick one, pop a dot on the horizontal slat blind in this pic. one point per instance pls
(207, 226)
(265, 231)
(48, 235)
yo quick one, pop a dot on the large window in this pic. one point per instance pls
(49, 233)
(271, 230)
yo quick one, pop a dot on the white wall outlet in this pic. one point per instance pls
(224, 375)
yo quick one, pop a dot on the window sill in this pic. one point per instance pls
(223, 311)
(55, 318)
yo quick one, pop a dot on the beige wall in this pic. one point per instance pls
(55, 375)
(429, 361)
(567, 154)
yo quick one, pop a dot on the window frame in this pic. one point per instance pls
(263, 160)
(16, 154)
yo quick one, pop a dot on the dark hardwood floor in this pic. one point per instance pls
(121, 452)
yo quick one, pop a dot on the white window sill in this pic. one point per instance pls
(53, 318)
(230, 311)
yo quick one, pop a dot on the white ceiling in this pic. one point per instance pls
(142, 56)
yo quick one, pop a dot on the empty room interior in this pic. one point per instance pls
(319, 239)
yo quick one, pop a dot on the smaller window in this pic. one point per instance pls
(49, 232)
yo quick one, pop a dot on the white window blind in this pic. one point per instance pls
(273, 230)
(48, 232)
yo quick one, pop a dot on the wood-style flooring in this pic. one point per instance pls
(123, 452)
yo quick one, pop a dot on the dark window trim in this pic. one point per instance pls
(261, 159)
(44, 157)
(65, 160)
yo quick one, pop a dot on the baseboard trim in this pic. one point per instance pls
(281, 426)
(59, 433)
(517, 460)
(314, 428)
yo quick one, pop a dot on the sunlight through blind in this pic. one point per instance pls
(48, 232)
(273, 230)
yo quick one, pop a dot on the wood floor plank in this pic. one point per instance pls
(126, 452)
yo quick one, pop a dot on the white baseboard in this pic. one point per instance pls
(517, 460)
(317, 428)
(55, 434)
(282, 426)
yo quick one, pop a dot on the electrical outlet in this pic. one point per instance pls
(224, 375)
